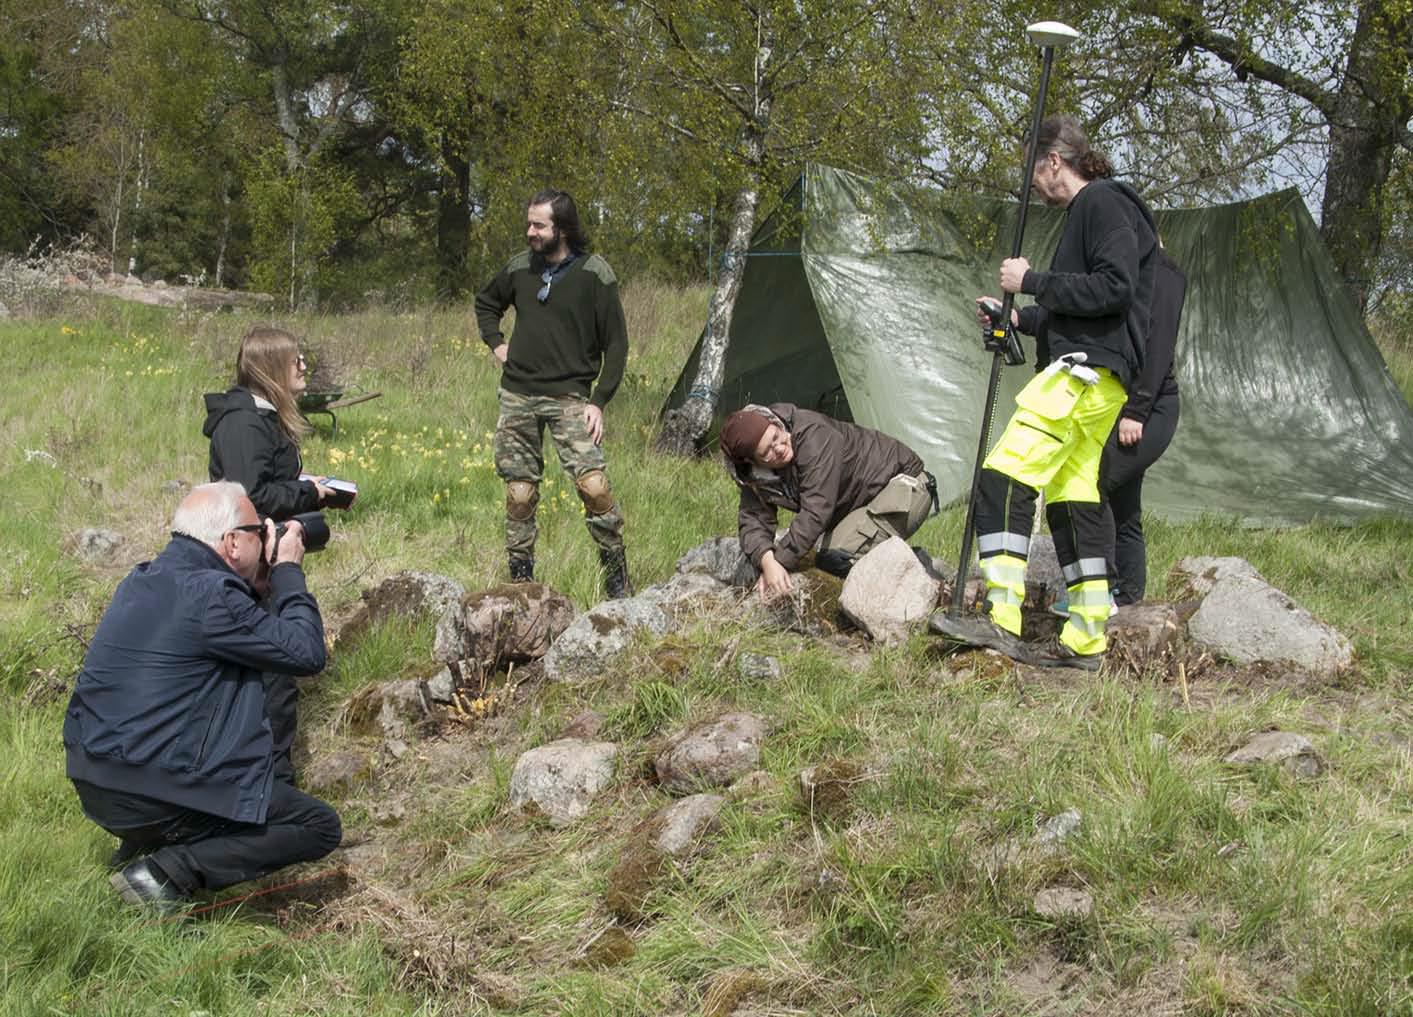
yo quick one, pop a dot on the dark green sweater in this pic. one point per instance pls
(560, 346)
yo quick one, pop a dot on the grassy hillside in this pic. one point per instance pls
(1217, 891)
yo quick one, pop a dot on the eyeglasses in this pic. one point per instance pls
(257, 528)
(547, 277)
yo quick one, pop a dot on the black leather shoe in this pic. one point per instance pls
(836, 563)
(143, 884)
(522, 570)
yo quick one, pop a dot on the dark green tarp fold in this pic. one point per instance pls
(857, 300)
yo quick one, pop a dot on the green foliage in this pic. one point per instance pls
(295, 219)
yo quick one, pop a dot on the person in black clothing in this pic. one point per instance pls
(165, 735)
(255, 428)
(1090, 319)
(1145, 428)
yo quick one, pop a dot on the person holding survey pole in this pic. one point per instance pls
(1090, 319)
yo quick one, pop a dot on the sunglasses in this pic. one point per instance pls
(300, 362)
(547, 277)
(257, 528)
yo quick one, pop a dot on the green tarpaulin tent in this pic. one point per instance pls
(857, 301)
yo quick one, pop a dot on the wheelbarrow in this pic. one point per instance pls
(326, 402)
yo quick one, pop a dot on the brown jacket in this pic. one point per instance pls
(838, 467)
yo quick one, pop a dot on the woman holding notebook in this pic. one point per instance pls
(255, 429)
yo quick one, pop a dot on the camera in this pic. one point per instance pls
(316, 531)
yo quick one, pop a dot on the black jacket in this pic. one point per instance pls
(1156, 381)
(249, 447)
(1097, 293)
(170, 703)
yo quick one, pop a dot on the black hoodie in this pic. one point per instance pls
(249, 447)
(1096, 296)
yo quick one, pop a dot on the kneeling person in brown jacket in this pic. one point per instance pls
(850, 488)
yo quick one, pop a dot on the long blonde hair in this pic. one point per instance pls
(262, 365)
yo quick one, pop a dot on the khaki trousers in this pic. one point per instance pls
(896, 511)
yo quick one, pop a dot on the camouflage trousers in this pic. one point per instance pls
(519, 455)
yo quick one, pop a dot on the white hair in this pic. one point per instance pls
(209, 512)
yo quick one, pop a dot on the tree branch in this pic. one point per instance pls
(705, 78)
(1244, 62)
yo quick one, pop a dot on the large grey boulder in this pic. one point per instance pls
(561, 778)
(720, 558)
(594, 637)
(688, 589)
(1247, 621)
(1193, 578)
(513, 623)
(888, 593)
(712, 754)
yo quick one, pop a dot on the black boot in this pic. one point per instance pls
(522, 569)
(836, 563)
(615, 574)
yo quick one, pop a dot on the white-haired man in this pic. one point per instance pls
(167, 742)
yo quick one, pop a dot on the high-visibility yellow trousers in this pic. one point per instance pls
(1052, 443)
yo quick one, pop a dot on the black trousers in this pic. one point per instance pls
(1121, 473)
(1081, 530)
(199, 851)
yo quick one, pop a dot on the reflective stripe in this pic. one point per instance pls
(1090, 568)
(1093, 627)
(1003, 573)
(1090, 598)
(1004, 595)
(1003, 543)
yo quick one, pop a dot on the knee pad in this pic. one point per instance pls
(594, 492)
(521, 497)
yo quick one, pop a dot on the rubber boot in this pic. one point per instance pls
(615, 574)
(522, 569)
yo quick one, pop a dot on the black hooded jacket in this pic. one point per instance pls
(1096, 296)
(249, 447)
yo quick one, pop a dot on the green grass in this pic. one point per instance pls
(1216, 891)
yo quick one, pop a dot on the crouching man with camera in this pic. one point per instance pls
(166, 736)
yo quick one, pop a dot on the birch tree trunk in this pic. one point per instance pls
(683, 427)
